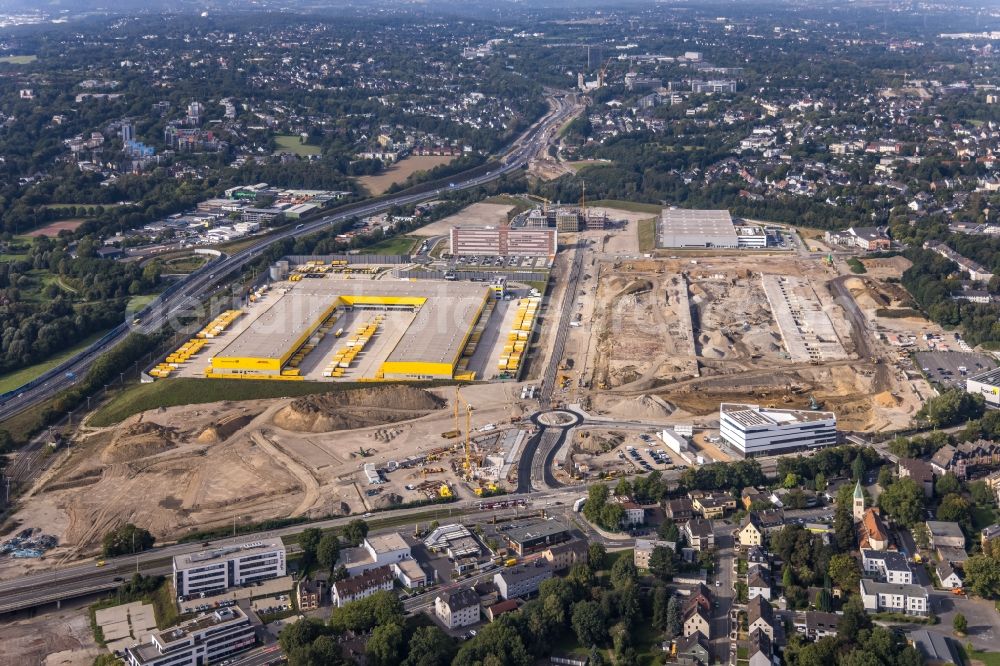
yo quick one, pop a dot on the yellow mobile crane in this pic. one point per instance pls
(545, 202)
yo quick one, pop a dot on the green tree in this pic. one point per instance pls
(301, 634)
(981, 493)
(787, 578)
(623, 571)
(982, 576)
(844, 572)
(588, 623)
(125, 540)
(661, 563)
(328, 551)
(668, 531)
(385, 646)
(675, 621)
(596, 555)
(355, 532)
(858, 468)
(824, 601)
(960, 624)
(903, 501)
(951, 407)
(661, 599)
(955, 508)
(429, 646)
(308, 541)
(947, 485)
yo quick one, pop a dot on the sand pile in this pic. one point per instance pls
(223, 430)
(886, 399)
(715, 345)
(643, 407)
(138, 440)
(358, 408)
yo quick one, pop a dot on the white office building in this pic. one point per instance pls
(751, 237)
(230, 566)
(206, 639)
(756, 431)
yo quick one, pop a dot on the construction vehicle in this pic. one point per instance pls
(451, 434)
(444, 491)
(958, 592)
(511, 562)
(813, 404)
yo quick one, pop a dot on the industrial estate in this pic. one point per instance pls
(356, 410)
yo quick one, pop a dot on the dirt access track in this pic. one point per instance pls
(179, 469)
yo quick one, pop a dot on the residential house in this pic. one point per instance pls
(758, 582)
(501, 608)
(819, 624)
(921, 473)
(893, 598)
(949, 578)
(361, 586)
(309, 594)
(699, 534)
(522, 580)
(887, 565)
(566, 554)
(679, 510)
(751, 495)
(944, 533)
(644, 549)
(692, 650)
(458, 608)
(761, 652)
(632, 514)
(750, 533)
(962, 459)
(936, 648)
(760, 616)
(989, 535)
(697, 621)
(757, 555)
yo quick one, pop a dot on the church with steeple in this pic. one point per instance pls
(872, 533)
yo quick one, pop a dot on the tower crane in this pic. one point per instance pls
(467, 463)
(545, 202)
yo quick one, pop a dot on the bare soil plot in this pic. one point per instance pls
(478, 214)
(400, 171)
(57, 637)
(53, 228)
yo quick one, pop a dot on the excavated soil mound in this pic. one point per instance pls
(138, 440)
(223, 430)
(886, 399)
(358, 408)
(643, 407)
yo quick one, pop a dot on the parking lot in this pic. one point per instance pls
(267, 588)
(952, 368)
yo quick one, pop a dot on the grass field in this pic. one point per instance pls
(631, 206)
(394, 245)
(137, 303)
(290, 143)
(400, 171)
(988, 658)
(647, 234)
(12, 380)
(19, 60)
(983, 516)
(194, 391)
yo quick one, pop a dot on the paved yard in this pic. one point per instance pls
(983, 618)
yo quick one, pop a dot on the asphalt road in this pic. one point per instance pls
(186, 296)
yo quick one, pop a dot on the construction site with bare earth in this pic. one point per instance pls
(634, 343)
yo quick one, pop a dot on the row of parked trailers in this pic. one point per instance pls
(353, 346)
(191, 348)
(519, 335)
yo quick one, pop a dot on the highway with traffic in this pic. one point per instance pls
(188, 294)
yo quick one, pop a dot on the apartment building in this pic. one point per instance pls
(361, 586)
(887, 565)
(521, 580)
(457, 609)
(893, 598)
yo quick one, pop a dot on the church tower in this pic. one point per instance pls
(859, 503)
